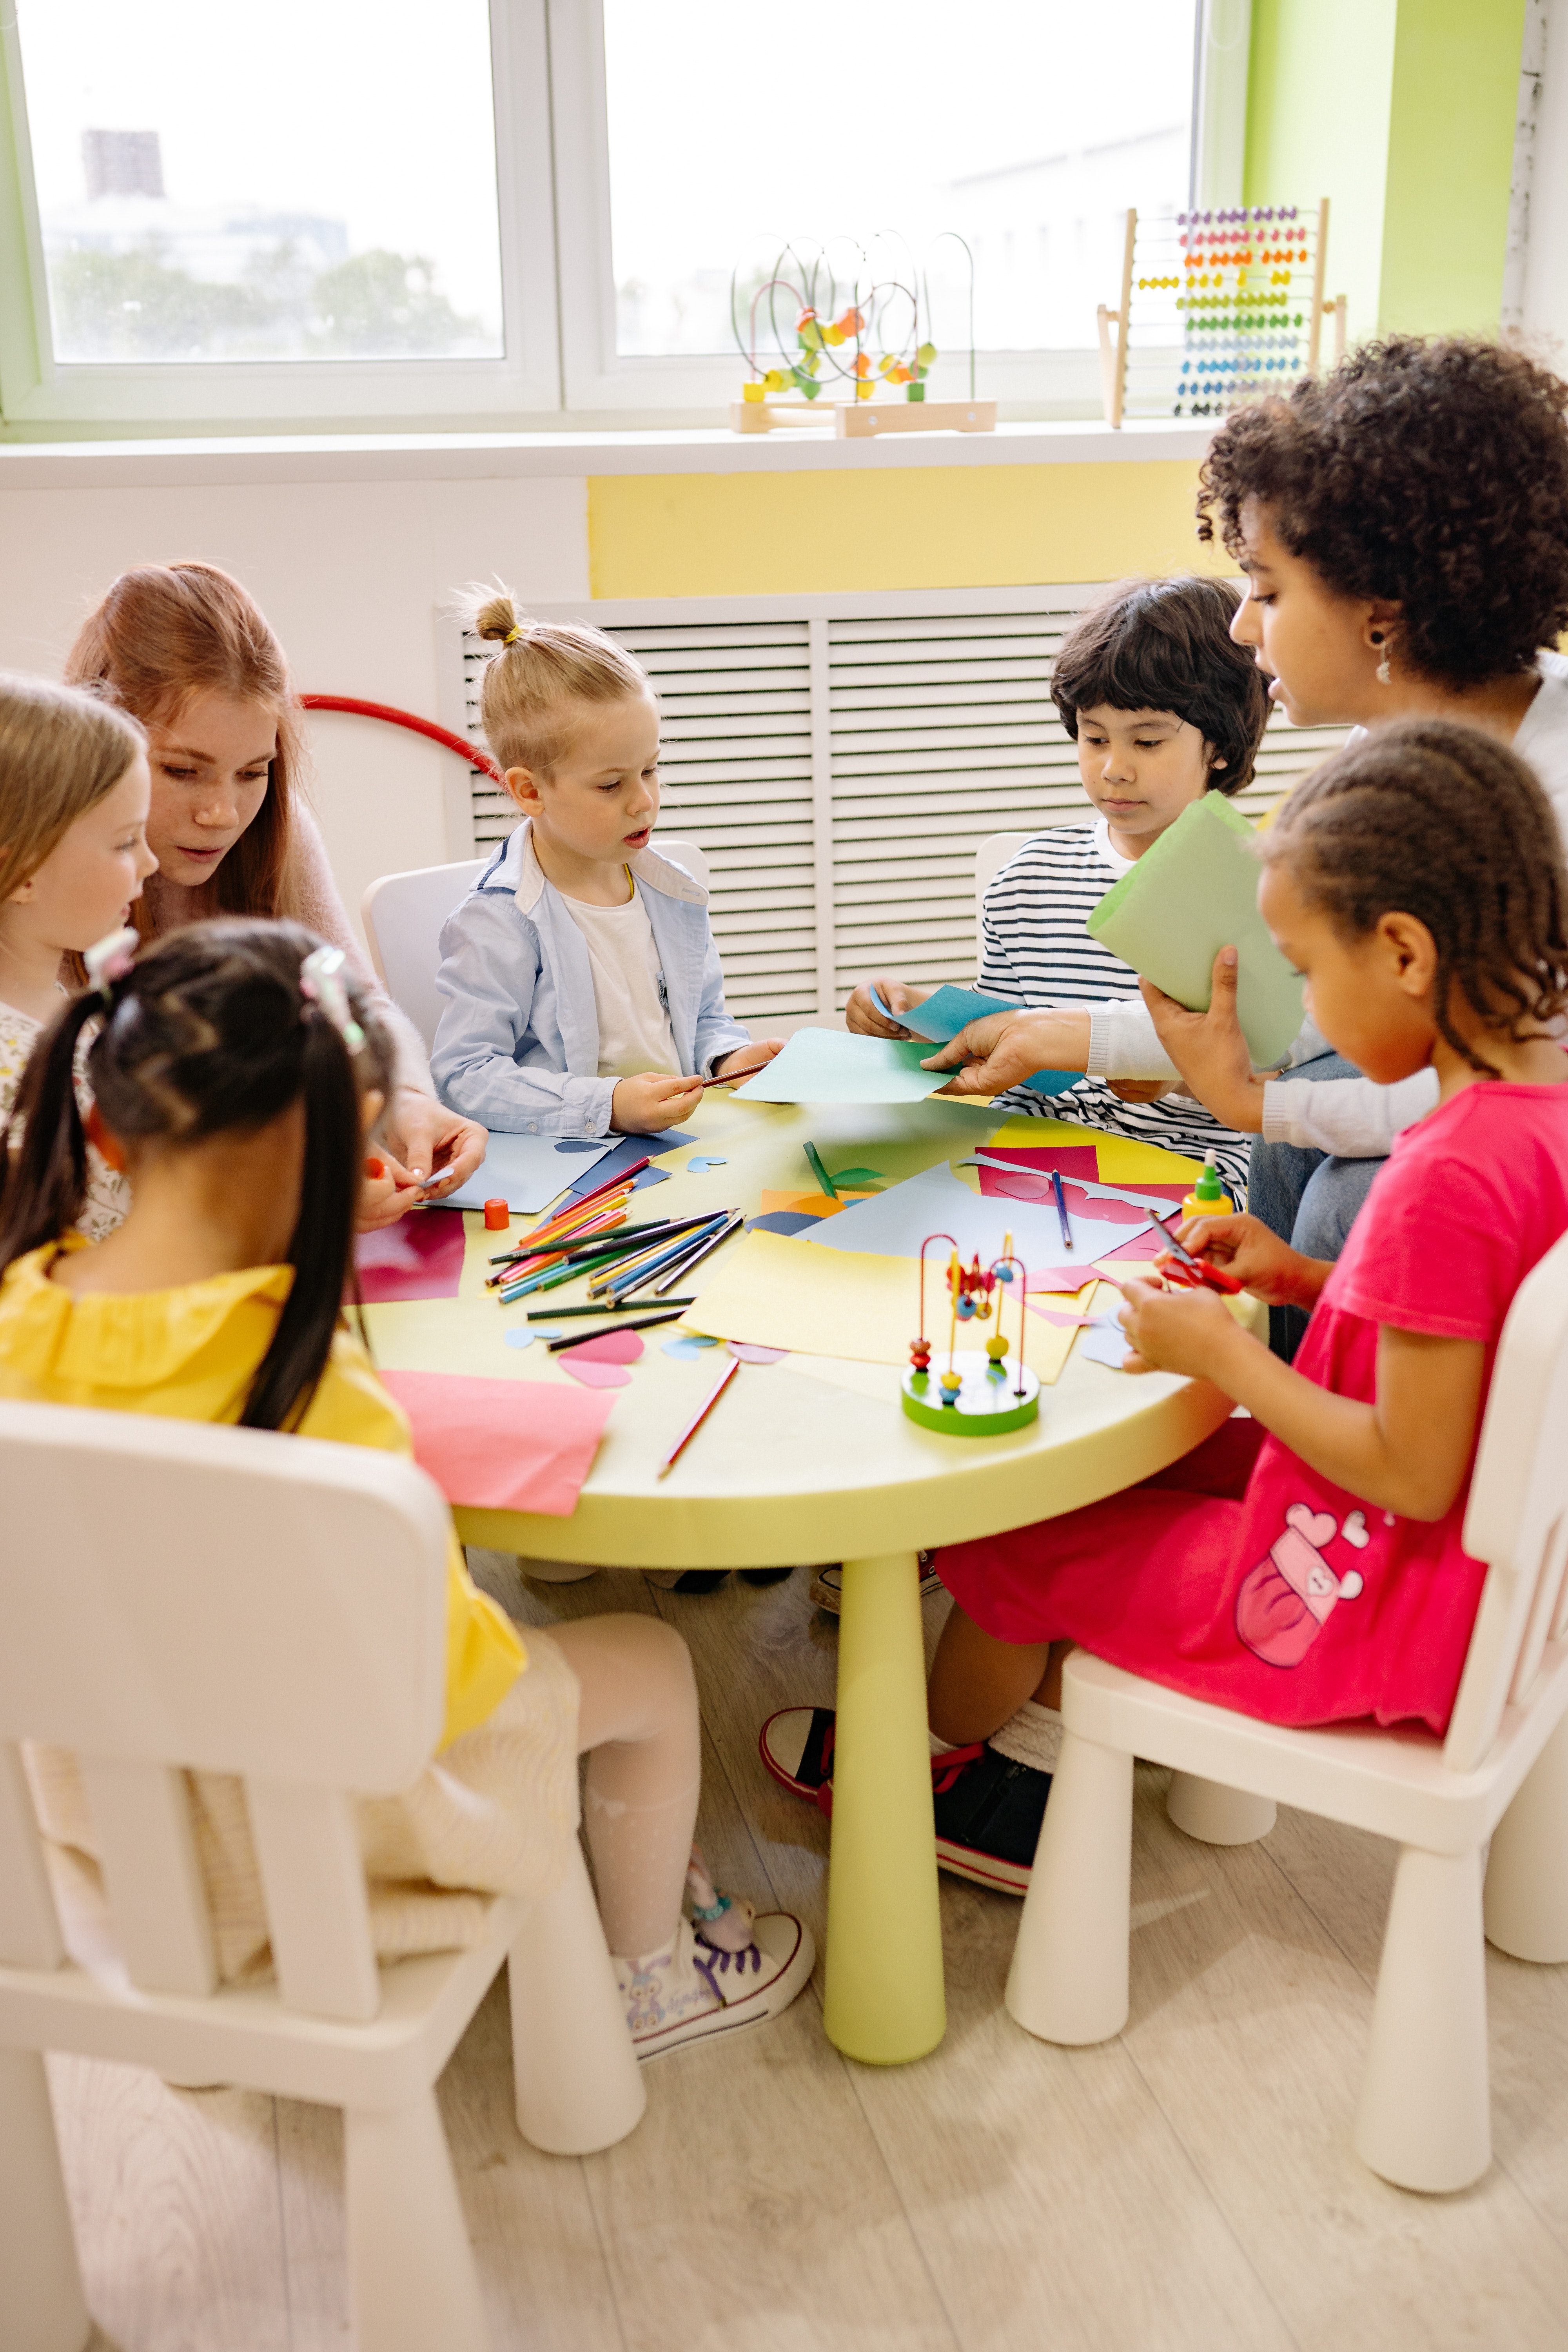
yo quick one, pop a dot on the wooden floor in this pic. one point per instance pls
(1190, 2184)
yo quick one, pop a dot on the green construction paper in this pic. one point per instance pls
(1193, 892)
(829, 1066)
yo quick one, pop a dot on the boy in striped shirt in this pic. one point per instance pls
(1163, 707)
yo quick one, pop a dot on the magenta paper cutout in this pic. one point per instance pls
(502, 1445)
(421, 1256)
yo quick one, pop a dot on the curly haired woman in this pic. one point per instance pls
(1403, 528)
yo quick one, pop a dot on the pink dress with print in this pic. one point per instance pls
(1239, 1574)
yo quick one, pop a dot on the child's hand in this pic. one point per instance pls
(1209, 1049)
(862, 1016)
(386, 1189)
(1258, 1259)
(1188, 1331)
(644, 1105)
(746, 1058)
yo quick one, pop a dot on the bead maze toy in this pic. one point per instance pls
(825, 341)
(1216, 307)
(977, 1395)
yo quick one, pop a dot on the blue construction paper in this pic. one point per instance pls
(781, 1221)
(829, 1066)
(1104, 1343)
(948, 1010)
(700, 1166)
(624, 1152)
(529, 1171)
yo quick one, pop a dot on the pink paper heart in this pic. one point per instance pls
(1316, 1528)
(1054, 1315)
(749, 1353)
(607, 1347)
(1016, 1184)
(596, 1376)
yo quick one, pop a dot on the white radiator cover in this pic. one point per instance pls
(838, 760)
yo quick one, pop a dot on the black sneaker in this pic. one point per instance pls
(988, 1809)
(688, 1580)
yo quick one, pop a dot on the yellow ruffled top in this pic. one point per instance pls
(190, 1354)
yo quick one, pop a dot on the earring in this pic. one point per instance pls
(1385, 676)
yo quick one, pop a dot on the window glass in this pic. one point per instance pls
(311, 179)
(1028, 126)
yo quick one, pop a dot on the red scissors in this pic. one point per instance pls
(1189, 1272)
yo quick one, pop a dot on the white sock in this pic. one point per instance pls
(939, 1747)
(1032, 1736)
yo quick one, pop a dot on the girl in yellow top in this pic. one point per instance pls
(235, 1071)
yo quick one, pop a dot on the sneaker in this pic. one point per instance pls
(687, 1991)
(764, 1575)
(827, 1584)
(988, 1809)
(688, 1580)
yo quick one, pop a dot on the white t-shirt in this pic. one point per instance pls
(635, 1033)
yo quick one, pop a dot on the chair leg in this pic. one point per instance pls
(579, 2086)
(1218, 1815)
(1526, 1875)
(42, 2308)
(412, 2280)
(1069, 1978)
(1424, 2119)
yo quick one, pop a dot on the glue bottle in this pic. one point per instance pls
(1207, 1197)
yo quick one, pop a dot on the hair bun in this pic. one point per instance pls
(493, 613)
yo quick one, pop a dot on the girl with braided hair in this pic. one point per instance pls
(1306, 1564)
(235, 1068)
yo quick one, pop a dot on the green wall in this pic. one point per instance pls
(1402, 113)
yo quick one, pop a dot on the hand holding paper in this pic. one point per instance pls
(826, 1065)
(1011, 1046)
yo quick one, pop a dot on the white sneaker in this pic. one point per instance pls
(687, 1990)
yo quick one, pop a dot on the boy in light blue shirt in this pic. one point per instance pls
(582, 980)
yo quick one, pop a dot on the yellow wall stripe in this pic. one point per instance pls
(928, 527)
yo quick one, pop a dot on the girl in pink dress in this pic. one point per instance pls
(1307, 1565)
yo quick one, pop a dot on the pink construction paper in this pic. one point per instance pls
(421, 1256)
(595, 1376)
(1060, 1277)
(749, 1353)
(607, 1347)
(1054, 1315)
(502, 1445)
(1079, 1160)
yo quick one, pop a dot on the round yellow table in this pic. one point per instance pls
(811, 1459)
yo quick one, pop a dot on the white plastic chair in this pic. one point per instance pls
(403, 915)
(989, 859)
(173, 1594)
(1501, 1773)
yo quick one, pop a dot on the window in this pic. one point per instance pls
(504, 210)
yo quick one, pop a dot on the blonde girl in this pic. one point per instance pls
(185, 650)
(73, 858)
(583, 991)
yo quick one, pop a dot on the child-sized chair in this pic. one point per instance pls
(173, 1594)
(1501, 1773)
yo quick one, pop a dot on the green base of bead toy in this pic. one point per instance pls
(987, 1404)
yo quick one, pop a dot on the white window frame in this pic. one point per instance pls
(562, 368)
(37, 390)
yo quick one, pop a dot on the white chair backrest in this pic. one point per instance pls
(403, 915)
(1517, 1518)
(175, 1595)
(989, 859)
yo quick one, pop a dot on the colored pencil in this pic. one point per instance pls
(630, 1239)
(820, 1172)
(565, 1221)
(559, 1313)
(643, 1322)
(553, 1278)
(626, 1176)
(649, 1225)
(678, 1273)
(729, 1077)
(690, 1431)
(536, 1261)
(619, 1279)
(1061, 1200)
(656, 1251)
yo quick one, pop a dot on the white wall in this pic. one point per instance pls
(349, 573)
(1545, 289)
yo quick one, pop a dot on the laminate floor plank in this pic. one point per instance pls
(1249, 2025)
(175, 2200)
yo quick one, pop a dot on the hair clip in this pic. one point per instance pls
(109, 959)
(322, 981)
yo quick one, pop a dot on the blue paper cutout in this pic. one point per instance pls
(689, 1345)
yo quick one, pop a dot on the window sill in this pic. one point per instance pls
(470, 457)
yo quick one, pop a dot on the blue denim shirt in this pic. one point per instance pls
(518, 1042)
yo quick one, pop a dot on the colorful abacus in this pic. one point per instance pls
(974, 1394)
(1218, 307)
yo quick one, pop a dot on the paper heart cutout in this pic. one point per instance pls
(521, 1336)
(608, 1347)
(596, 1376)
(576, 1143)
(1020, 1184)
(690, 1345)
(1316, 1528)
(701, 1167)
(750, 1354)
(1354, 1531)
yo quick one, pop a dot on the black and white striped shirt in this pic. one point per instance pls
(1035, 948)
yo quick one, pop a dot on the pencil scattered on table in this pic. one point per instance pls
(692, 1426)
(604, 1331)
(1062, 1202)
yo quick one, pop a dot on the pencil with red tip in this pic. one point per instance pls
(692, 1426)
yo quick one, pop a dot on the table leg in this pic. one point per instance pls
(884, 2002)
